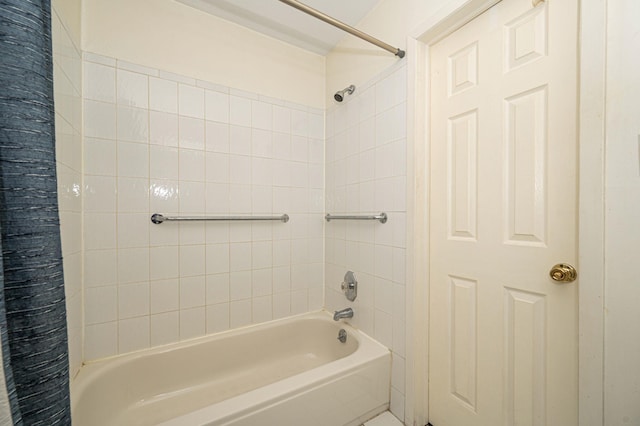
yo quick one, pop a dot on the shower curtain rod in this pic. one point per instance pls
(344, 27)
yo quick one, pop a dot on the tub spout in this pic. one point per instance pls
(343, 313)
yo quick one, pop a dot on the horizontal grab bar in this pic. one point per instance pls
(158, 218)
(382, 217)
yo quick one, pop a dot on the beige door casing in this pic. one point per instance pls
(591, 208)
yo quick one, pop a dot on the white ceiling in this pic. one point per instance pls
(276, 19)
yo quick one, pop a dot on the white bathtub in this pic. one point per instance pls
(286, 372)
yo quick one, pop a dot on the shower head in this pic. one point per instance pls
(339, 96)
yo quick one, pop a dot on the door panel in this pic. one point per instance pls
(503, 335)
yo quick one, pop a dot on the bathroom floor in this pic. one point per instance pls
(384, 419)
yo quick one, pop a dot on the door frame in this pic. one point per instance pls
(591, 139)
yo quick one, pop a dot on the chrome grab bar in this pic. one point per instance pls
(382, 217)
(158, 218)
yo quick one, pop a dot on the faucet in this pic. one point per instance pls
(343, 313)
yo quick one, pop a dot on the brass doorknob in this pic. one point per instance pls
(563, 273)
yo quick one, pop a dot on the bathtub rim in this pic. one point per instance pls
(240, 406)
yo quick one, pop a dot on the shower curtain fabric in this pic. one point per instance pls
(34, 378)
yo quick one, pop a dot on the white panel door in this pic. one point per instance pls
(503, 335)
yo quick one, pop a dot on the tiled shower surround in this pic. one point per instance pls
(366, 157)
(156, 142)
(67, 78)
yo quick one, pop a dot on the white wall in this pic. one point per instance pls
(170, 36)
(157, 142)
(187, 113)
(67, 70)
(69, 12)
(366, 173)
(355, 61)
(622, 230)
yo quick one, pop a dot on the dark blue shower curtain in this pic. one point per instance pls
(35, 376)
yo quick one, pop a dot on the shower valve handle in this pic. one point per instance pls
(350, 286)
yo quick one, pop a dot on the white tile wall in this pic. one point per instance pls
(365, 174)
(158, 142)
(163, 95)
(67, 68)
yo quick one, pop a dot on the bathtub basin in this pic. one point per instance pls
(285, 372)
